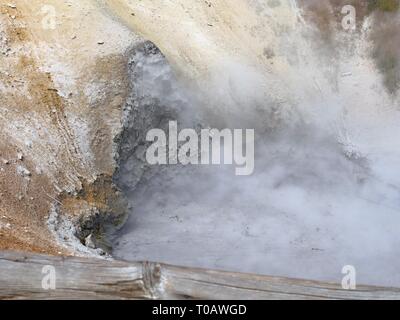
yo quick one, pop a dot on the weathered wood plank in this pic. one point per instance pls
(21, 277)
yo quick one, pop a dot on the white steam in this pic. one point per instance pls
(326, 188)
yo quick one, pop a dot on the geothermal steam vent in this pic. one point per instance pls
(251, 136)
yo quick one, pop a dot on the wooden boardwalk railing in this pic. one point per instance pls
(21, 277)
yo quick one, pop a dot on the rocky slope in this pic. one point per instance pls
(63, 85)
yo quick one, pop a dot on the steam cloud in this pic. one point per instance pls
(326, 188)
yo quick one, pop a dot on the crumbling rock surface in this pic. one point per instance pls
(61, 98)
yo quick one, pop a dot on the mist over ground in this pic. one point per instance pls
(325, 192)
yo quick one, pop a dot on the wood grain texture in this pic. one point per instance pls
(79, 278)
